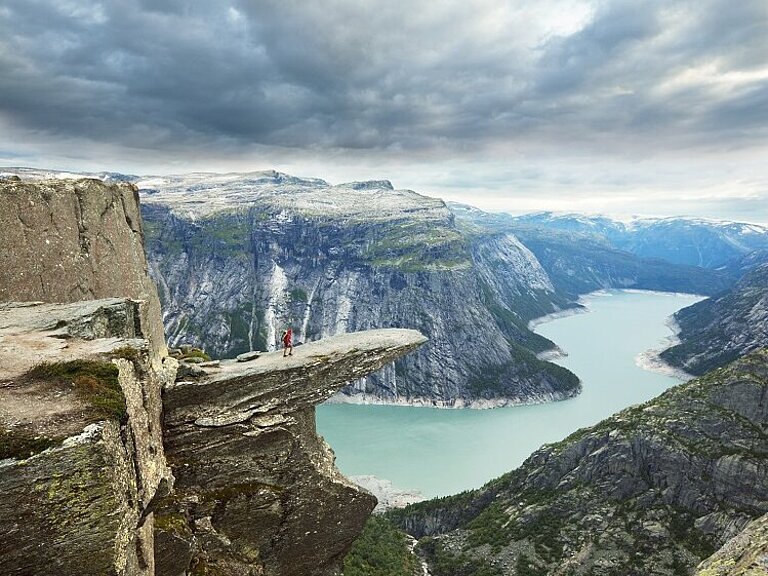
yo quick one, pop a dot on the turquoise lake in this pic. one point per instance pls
(441, 451)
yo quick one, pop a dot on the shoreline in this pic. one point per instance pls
(651, 360)
(455, 404)
(646, 360)
(388, 495)
(552, 354)
(577, 308)
(581, 305)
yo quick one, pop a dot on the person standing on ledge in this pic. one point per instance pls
(288, 342)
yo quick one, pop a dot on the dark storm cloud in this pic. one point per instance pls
(384, 75)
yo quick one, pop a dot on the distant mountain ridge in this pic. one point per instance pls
(579, 262)
(689, 241)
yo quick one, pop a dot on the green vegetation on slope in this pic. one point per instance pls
(417, 246)
(445, 563)
(721, 329)
(651, 490)
(381, 550)
(496, 380)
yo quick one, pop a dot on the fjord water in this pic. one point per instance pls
(440, 452)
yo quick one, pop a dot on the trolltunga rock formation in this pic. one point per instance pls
(257, 492)
(255, 485)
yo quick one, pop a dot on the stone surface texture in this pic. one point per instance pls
(257, 491)
(743, 555)
(75, 286)
(70, 240)
(92, 494)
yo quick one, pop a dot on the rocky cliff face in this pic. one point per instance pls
(90, 419)
(238, 257)
(720, 329)
(256, 489)
(79, 479)
(653, 490)
(69, 240)
(83, 446)
(743, 555)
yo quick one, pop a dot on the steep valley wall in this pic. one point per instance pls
(232, 275)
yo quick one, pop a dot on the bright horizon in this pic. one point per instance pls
(587, 106)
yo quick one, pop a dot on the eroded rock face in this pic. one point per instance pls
(743, 555)
(654, 489)
(65, 511)
(257, 491)
(85, 505)
(70, 240)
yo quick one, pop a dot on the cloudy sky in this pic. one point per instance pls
(644, 106)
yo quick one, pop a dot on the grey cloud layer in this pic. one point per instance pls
(385, 75)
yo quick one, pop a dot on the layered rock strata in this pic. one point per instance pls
(257, 491)
(238, 257)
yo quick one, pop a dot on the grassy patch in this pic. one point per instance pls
(446, 563)
(173, 523)
(126, 352)
(95, 382)
(499, 380)
(19, 445)
(197, 353)
(299, 295)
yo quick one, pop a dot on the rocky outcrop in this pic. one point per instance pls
(70, 240)
(743, 555)
(257, 491)
(90, 495)
(720, 329)
(83, 469)
(88, 488)
(239, 256)
(654, 489)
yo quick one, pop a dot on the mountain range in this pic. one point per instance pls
(654, 489)
(691, 241)
(238, 257)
